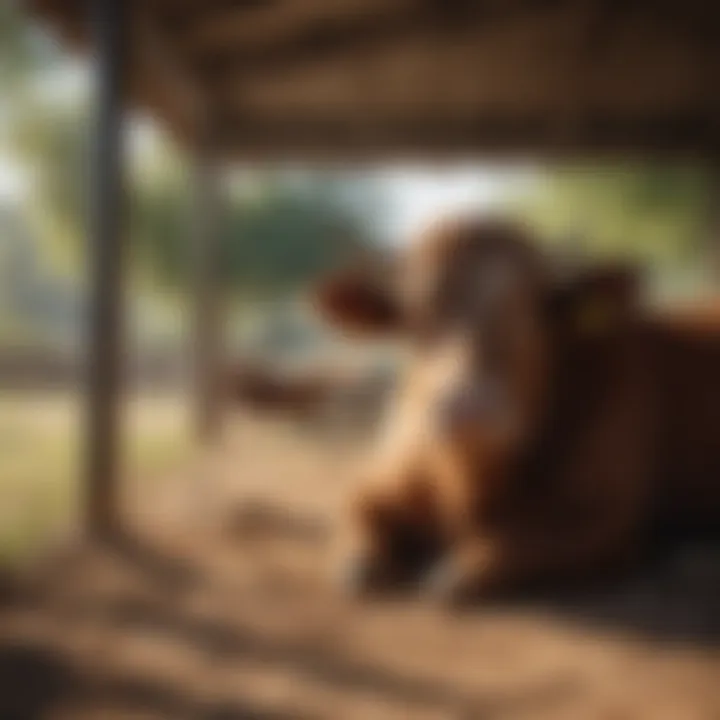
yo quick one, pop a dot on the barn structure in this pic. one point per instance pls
(362, 80)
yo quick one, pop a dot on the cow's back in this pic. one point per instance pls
(683, 353)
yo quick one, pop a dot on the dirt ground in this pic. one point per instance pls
(218, 608)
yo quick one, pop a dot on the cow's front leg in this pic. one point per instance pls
(505, 561)
(390, 540)
(464, 574)
(362, 562)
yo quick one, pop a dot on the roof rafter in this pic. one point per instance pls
(499, 134)
(180, 15)
(357, 76)
(324, 38)
(160, 77)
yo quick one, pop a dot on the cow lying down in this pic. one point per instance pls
(545, 425)
(263, 389)
(319, 394)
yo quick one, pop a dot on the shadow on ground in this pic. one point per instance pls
(34, 680)
(673, 594)
(673, 598)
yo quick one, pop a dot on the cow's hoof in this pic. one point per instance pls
(362, 578)
(447, 585)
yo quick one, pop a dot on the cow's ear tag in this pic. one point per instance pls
(595, 316)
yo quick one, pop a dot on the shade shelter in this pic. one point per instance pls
(236, 80)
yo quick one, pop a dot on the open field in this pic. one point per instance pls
(40, 451)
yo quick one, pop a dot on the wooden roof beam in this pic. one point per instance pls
(326, 38)
(178, 16)
(174, 82)
(678, 135)
(225, 25)
(158, 76)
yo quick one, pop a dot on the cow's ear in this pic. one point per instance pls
(598, 301)
(356, 301)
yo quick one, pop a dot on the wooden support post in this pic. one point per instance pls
(208, 335)
(105, 235)
(713, 219)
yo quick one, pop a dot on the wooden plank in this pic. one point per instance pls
(330, 37)
(157, 77)
(180, 15)
(311, 138)
(428, 77)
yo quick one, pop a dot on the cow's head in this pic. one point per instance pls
(484, 314)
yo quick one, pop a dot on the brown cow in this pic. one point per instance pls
(273, 390)
(544, 425)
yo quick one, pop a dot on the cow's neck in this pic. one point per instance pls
(581, 377)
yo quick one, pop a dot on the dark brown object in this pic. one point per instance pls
(603, 424)
(362, 78)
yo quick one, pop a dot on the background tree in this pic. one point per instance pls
(658, 215)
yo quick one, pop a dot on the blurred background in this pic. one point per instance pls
(282, 227)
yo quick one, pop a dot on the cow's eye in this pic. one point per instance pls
(427, 334)
(496, 340)
(497, 281)
(428, 328)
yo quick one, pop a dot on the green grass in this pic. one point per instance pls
(40, 454)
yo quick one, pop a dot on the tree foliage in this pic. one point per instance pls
(272, 240)
(656, 213)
